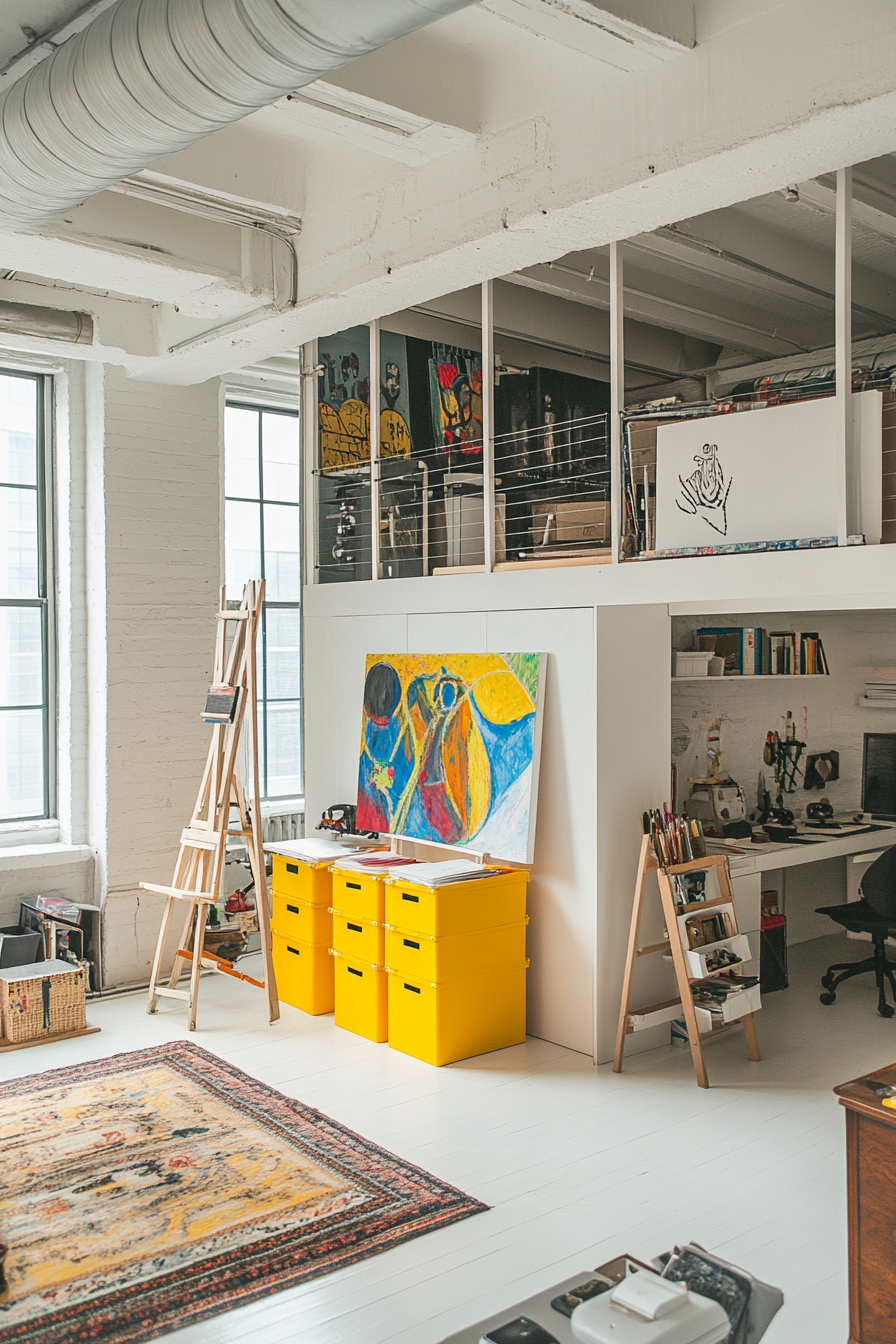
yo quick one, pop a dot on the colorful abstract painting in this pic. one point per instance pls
(449, 749)
(455, 387)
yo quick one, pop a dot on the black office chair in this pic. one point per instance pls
(875, 913)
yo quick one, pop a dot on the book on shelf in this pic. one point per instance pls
(795, 653)
(740, 646)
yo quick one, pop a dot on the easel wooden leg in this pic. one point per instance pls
(198, 937)
(622, 1028)
(183, 943)
(752, 1039)
(153, 1001)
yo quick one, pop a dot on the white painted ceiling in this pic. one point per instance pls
(744, 283)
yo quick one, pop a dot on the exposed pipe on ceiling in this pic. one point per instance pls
(149, 77)
(27, 319)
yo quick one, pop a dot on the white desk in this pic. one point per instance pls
(747, 863)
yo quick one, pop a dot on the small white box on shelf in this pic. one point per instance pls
(735, 1006)
(692, 663)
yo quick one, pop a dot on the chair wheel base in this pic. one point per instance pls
(828, 998)
(827, 980)
(886, 1010)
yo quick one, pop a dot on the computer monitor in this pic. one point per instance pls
(879, 776)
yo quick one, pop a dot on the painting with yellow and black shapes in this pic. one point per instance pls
(395, 415)
(344, 398)
(450, 748)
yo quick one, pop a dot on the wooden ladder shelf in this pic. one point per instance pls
(664, 1012)
(199, 870)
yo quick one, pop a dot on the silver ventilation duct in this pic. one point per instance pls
(25, 319)
(149, 77)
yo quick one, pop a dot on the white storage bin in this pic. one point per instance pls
(696, 958)
(735, 1006)
(692, 664)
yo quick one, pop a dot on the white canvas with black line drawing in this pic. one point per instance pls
(765, 475)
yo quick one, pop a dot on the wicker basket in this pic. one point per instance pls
(43, 1000)
(246, 921)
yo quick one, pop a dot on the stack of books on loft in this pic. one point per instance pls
(880, 687)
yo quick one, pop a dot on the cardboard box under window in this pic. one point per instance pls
(42, 1000)
(569, 521)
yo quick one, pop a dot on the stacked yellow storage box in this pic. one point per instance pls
(358, 909)
(302, 933)
(456, 959)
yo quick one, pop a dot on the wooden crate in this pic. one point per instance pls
(41, 1001)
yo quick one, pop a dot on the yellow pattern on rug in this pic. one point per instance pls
(133, 1171)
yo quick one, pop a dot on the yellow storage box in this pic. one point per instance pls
(310, 882)
(361, 939)
(304, 974)
(361, 997)
(359, 894)
(299, 919)
(456, 956)
(440, 1023)
(459, 907)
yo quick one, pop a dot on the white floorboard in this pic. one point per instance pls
(579, 1164)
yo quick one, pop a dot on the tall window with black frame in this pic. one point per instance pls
(27, 711)
(262, 539)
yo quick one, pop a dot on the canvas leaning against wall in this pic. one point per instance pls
(450, 747)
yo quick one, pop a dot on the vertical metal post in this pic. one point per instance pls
(617, 396)
(488, 422)
(308, 413)
(843, 349)
(374, 450)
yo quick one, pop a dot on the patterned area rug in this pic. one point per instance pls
(151, 1190)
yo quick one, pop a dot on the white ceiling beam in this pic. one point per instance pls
(866, 217)
(687, 319)
(125, 330)
(132, 270)
(630, 35)
(373, 125)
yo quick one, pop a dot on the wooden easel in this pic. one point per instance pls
(199, 869)
(648, 864)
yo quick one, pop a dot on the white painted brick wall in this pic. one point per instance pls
(162, 472)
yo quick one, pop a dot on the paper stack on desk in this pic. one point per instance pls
(880, 687)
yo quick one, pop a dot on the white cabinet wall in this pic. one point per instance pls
(562, 894)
